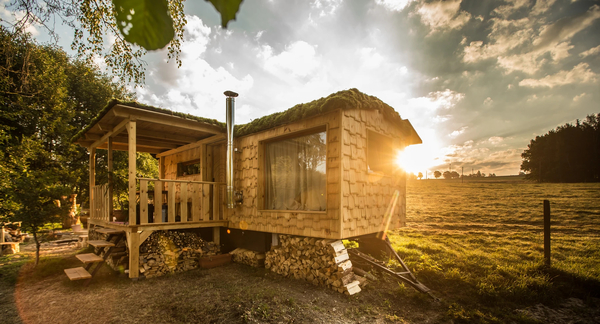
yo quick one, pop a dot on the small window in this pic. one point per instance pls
(380, 153)
(295, 173)
(188, 168)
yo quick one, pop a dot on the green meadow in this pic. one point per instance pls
(479, 244)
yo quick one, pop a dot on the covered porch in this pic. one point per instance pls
(154, 204)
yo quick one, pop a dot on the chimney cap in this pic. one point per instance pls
(230, 94)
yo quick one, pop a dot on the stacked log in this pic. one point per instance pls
(12, 233)
(319, 261)
(170, 251)
(248, 257)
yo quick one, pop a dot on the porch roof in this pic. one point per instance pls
(158, 130)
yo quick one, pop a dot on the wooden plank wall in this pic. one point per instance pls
(170, 164)
(248, 177)
(366, 197)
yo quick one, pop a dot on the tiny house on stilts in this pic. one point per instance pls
(320, 170)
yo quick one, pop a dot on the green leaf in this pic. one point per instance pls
(145, 22)
(227, 8)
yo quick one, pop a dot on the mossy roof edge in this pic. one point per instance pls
(134, 104)
(344, 100)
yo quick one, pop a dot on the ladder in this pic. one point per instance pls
(91, 259)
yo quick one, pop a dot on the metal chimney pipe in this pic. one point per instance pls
(230, 103)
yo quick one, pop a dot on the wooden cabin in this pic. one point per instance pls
(321, 169)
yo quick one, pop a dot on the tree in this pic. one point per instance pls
(134, 26)
(569, 153)
(45, 98)
(420, 176)
(447, 175)
(454, 175)
(437, 174)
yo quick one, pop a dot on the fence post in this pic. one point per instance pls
(547, 232)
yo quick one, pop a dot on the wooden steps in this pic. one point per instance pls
(78, 273)
(100, 243)
(89, 258)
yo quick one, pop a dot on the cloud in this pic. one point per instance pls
(443, 15)
(565, 28)
(495, 140)
(394, 5)
(457, 132)
(299, 59)
(578, 97)
(590, 52)
(520, 44)
(581, 73)
(488, 101)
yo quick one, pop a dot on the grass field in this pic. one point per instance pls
(479, 244)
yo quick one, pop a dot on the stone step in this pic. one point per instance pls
(104, 230)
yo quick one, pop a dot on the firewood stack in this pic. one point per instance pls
(319, 261)
(251, 258)
(12, 233)
(169, 251)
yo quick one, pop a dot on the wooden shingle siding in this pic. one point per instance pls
(249, 178)
(367, 196)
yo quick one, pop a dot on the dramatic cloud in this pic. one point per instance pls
(443, 15)
(579, 74)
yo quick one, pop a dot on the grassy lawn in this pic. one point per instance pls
(478, 245)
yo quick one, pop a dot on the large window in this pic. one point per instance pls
(295, 173)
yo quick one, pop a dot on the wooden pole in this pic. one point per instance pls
(110, 178)
(547, 232)
(92, 166)
(131, 130)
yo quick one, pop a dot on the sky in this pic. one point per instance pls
(477, 79)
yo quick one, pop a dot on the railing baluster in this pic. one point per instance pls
(158, 201)
(143, 202)
(171, 203)
(183, 200)
(196, 207)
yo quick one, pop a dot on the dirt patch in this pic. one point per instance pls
(230, 294)
(573, 310)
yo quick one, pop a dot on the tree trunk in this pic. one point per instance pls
(37, 248)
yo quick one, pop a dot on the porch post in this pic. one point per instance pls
(92, 165)
(110, 178)
(134, 253)
(131, 130)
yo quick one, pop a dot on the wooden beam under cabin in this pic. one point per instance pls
(147, 143)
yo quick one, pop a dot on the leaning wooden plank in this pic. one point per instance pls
(100, 243)
(89, 258)
(78, 273)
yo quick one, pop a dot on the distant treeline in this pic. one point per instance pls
(569, 153)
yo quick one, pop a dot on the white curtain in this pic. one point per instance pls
(295, 173)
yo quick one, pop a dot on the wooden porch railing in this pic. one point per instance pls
(100, 203)
(179, 201)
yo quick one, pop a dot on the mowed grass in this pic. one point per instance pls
(479, 245)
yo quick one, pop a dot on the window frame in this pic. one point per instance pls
(183, 164)
(393, 145)
(262, 177)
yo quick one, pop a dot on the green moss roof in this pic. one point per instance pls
(346, 99)
(134, 104)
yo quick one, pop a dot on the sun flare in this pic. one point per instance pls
(418, 158)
